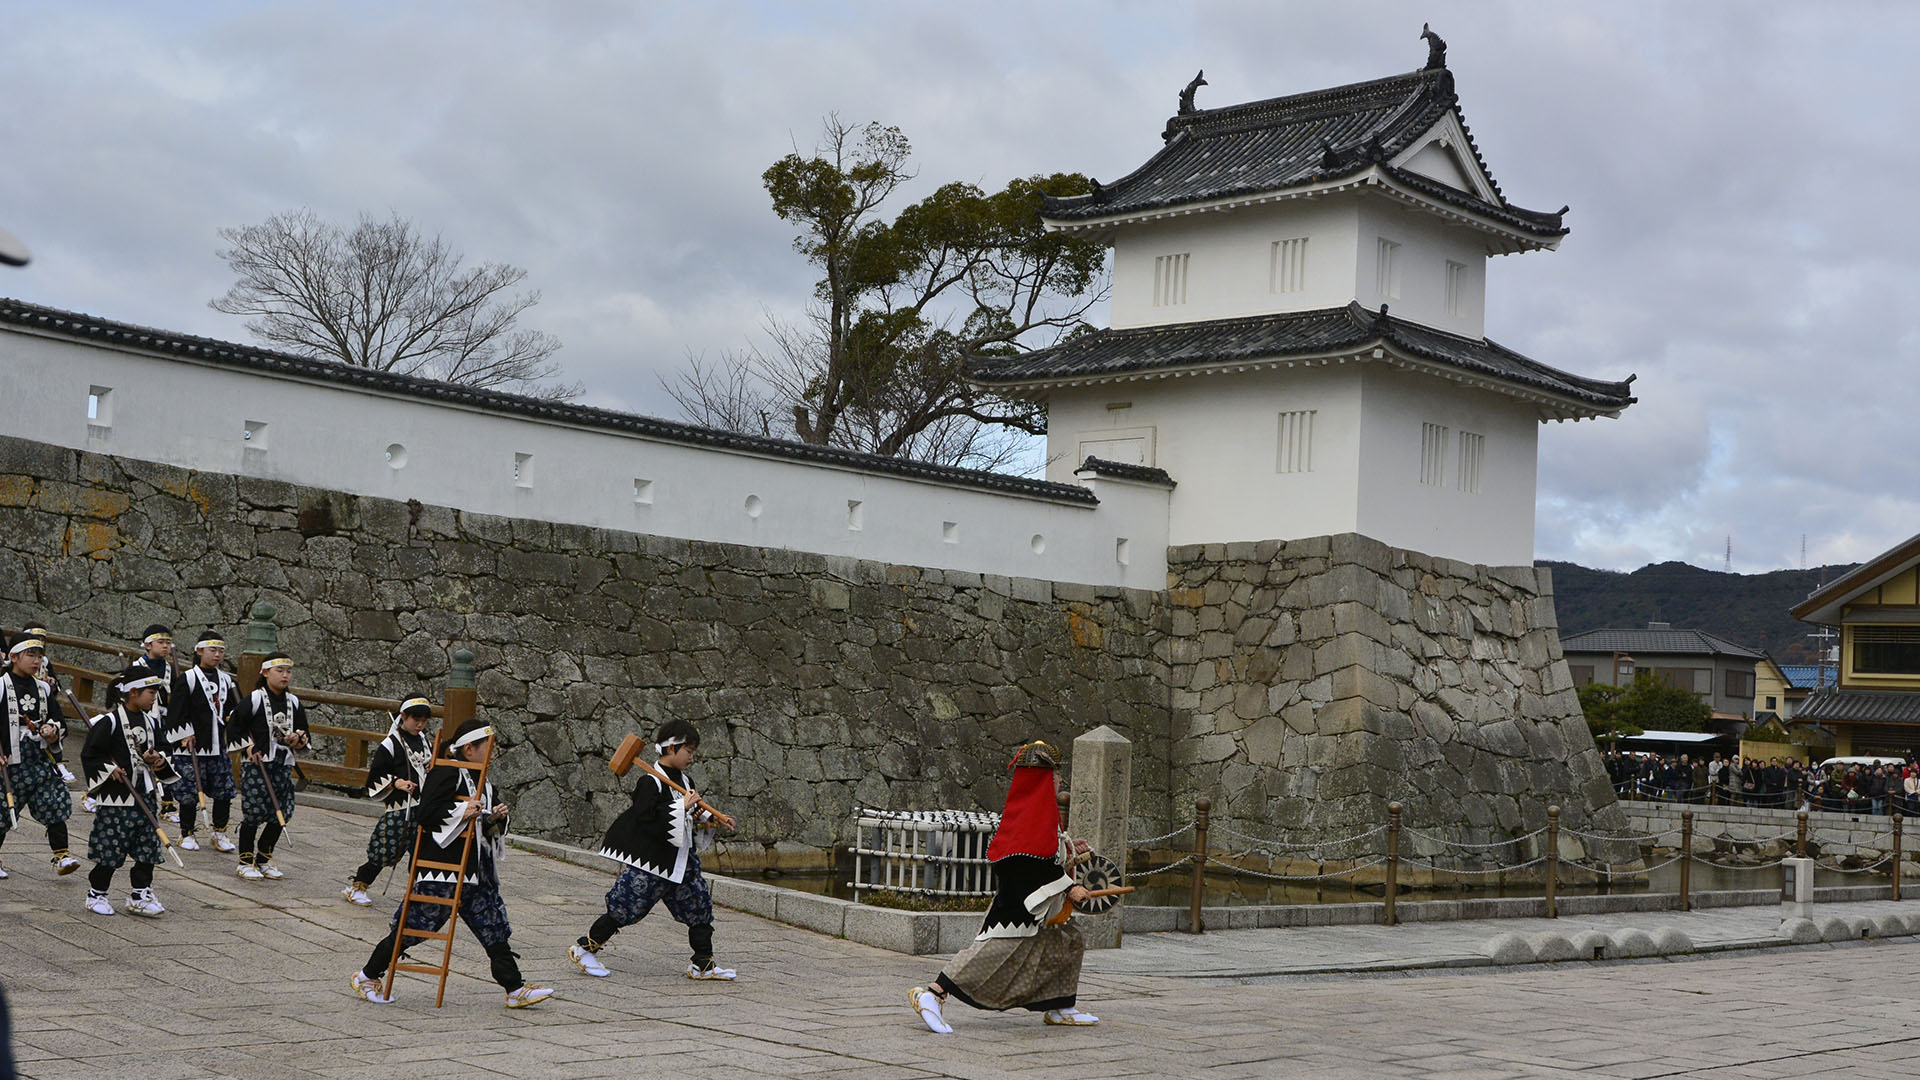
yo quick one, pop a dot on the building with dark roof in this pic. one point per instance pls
(1873, 703)
(1297, 334)
(1718, 671)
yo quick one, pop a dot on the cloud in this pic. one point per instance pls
(1735, 173)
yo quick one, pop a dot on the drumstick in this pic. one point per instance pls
(147, 810)
(267, 779)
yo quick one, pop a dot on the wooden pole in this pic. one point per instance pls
(1686, 860)
(1200, 808)
(1896, 854)
(1553, 860)
(1801, 844)
(1390, 913)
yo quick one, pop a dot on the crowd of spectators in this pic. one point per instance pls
(1784, 783)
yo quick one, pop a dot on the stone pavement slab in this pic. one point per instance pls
(249, 980)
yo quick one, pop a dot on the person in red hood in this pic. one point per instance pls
(1018, 961)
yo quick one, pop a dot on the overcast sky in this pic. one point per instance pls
(1741, 175)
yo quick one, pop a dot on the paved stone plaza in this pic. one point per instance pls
(250, 980)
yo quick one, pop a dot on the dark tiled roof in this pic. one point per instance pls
(1121, 470)
(77, 326)
(1298, 333)
(1860, 706)
(1656, 643)
(1284, 142)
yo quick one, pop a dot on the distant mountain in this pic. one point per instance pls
(1746, 609)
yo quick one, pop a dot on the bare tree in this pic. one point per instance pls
(878, 364)
(386, 296)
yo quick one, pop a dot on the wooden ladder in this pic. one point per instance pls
(459, 872)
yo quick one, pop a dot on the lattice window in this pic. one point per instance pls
(1457, 284)
(1287, 269)
(1170, 280)
(1473, 452)
(1433, 454)
(1387, 270)
(1296, 442)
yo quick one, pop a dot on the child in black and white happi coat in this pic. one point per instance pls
(125, 768)
(396, 771)
(654, 837)
(267, 731)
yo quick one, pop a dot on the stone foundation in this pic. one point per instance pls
(1315, 681)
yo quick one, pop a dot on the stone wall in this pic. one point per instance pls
(819, 683)
(1317, 680)
(1301, 686)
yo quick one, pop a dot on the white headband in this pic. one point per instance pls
(663, 747)
(140, 684)
(210, 643)
(278, 661)
(26, 643)
(151, 638)
(473, 736)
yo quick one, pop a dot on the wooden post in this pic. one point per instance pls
(461, 694)
(1801, 849)
(262, 637)
(1686, 860)
(1390, 913)
(1200, 808)
(1553, 860)
(1896, 854)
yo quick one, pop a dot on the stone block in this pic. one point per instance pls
(1591, 944)
(1798, 931)
(1835, 928)
(1135, 919)
(1671, 940)
(1551, 948)
(1629, 943)
(752, 897)
(1508, 949)
(916, 933)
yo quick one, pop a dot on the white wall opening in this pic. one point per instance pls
(254, 435)
(100, 406)
(856, 515)
(523, 470)
(642, 491)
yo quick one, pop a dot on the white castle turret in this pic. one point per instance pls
(1298, 333)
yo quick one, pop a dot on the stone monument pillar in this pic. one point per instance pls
(1100, 785)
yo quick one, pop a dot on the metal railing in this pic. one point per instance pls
(924, 852)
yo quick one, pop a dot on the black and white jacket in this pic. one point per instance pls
(119, 739)
(27, 704)
(400, 756)
(655, 832)
(265, 722)
(1028, 890)
(443, 825)
(201, 705)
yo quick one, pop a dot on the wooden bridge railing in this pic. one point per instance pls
(87, 685)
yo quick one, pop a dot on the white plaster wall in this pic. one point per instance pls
(1229, 269)
(189, 414)
(1231, 258)
(1426, 245)
(1217, 437)
(1494, 526)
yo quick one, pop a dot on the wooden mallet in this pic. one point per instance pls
(627, 755)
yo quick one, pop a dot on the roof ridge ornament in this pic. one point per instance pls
(1436, 49)
(1186, 96)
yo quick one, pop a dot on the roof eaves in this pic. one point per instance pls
(1860, 578)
